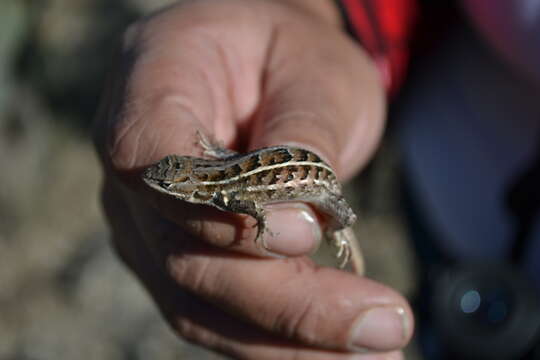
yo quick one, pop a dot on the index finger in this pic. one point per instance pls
(183, 70)
(186, 70)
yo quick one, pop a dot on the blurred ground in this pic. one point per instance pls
(63, 295)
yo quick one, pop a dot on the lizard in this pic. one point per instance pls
(244, 183)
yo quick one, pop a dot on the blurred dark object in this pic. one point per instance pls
(477, 311)
(486, 312)
(523, 201)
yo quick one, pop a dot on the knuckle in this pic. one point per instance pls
(188, 330)
(194, 333)
(196, 274)
(303, 322)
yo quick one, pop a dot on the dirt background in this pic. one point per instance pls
(63, 294)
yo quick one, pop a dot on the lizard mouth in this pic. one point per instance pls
(159, 185)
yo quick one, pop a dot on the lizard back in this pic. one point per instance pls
(273, 174)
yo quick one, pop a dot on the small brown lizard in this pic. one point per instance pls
(244, 183)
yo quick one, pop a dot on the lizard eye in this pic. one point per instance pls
(165, 184)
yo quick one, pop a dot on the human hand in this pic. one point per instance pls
(253, 73)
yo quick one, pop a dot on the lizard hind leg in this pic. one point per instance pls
(340, 240)
(348, 249)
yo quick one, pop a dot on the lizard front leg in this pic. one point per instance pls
(230, 202)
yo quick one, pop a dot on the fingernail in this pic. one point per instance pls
(293, 230)
(380, 328)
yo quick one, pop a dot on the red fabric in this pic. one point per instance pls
(384, 27)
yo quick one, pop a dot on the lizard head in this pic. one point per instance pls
(168, 173)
